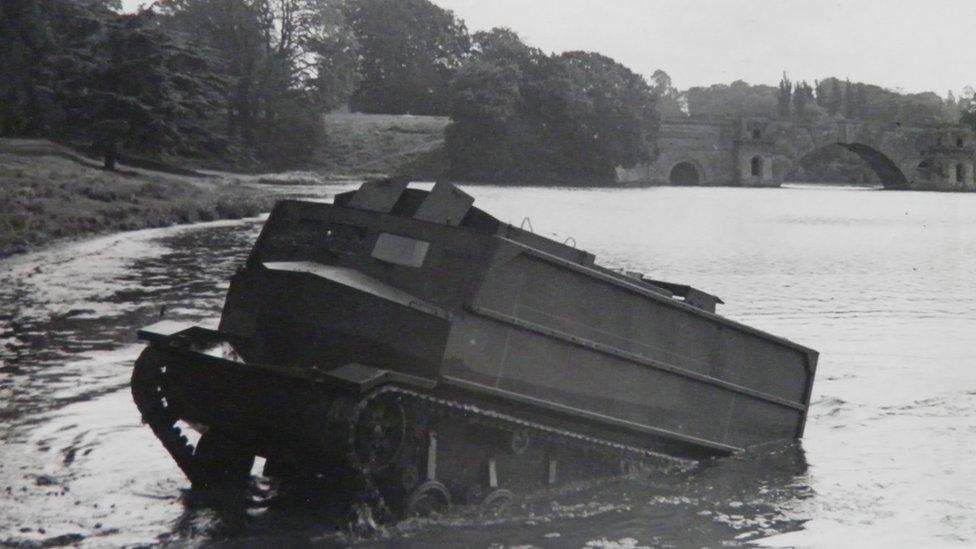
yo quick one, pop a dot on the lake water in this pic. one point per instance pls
(883, 284)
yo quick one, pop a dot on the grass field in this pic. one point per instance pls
(48, 193)
(375, 144)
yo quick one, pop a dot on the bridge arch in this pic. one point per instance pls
(686, 173)
(721, 151)
(888, 172)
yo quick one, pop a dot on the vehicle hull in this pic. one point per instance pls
(383, 338)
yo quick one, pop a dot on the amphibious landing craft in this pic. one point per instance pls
(406, 346)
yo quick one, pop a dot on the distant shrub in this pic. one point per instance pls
(237, 207)
(205, 214)
(98, 190)
(154, 190)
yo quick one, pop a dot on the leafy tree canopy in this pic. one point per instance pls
(830, 97)
(736, 99)
(410, 51)
(285, 63)
(72, 64)
(519, 115)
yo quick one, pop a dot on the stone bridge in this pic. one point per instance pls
(759, 152)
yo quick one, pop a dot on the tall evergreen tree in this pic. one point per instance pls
(42, 42)
(850, 101)
(802, 96)
(863, 108)
(286, 62)
(968, 115)
(70, 65)
(785, 97)
(836, 102)
(820, 89)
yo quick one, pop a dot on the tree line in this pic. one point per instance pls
(831, 97)
(248, 80)
(521, 115)
(238, 79)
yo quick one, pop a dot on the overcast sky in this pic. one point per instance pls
(915, 45)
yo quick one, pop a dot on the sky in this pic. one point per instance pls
(910, 45)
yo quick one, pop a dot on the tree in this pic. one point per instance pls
(668, 99)
(736, 99)
(610, 119)
(480, 142)
(519, 115)
(42, 41)
(967, 107)
(153, 84)
(25, 36)
(231, 34)
(862, 100)
(784, 98)
(850, 102)
(410, 51)
(802, 96)
(503, 45)
(968, 115)
(285, 61)
(486, 140)
(836, 101)
(76, 67)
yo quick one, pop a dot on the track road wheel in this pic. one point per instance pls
(380, 433)
(429, 498)
(497, 502)
(221, 461)
(520, 442)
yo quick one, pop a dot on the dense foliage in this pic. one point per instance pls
(967, 111)
(520, 115)
(206, 78)
(70, 65)
(830, 97)
(243, 80)
(410, 51)
(284, 62)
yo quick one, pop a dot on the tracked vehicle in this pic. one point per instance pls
(415, 352)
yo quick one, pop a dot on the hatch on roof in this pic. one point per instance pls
(445, 204)
(379, 196)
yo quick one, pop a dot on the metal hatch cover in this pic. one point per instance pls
(379, 196)
(445, 204)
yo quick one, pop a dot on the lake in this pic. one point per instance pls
(882, 283)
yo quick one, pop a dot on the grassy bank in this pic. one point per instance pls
(47, 193)
(50, 192)
(380, 144)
